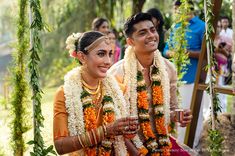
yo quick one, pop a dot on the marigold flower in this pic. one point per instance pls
(90, 118)
(108, 117)
(166, 151)
(146, 127)
(157, 95)
(91, 151)
(142, 100)
(143, 150)
(160, 126)
(155, 154)
(143, 103)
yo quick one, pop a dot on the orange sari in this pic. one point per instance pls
(60, 119)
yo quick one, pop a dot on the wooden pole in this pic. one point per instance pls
(200, 79)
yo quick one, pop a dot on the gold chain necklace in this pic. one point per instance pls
(96, 100)
(88, 88)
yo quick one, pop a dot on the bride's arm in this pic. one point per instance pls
(70, 144)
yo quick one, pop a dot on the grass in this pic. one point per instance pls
(230, 99)
(47, 111)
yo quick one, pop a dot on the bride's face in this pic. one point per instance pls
(99, 60)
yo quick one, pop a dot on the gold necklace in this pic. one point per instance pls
(88, 86)
(89, 90)
(97, 99)
(92, 92)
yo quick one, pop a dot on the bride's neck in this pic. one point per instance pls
(91, 81)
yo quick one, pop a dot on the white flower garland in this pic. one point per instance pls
(73, 90)
(159, 61)
(130, 73)
(70, 42)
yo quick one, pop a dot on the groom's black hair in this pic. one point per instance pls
(134, 19)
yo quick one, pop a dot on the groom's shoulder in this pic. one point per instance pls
(117, 67)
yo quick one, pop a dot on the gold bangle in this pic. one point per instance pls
(101, 132)
(105, 130)
(94, 136)
(98, 135)
(83, 140)
(79, 140)
(89, 139)
(84, 136)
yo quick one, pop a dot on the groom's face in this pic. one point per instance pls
(145, 37)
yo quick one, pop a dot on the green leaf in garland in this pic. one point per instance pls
(139, 76)
(141, 88)
(107, 98)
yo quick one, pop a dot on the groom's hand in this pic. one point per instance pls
(187, 118)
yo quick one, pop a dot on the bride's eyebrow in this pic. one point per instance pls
(102, 50)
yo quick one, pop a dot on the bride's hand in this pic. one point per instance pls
(123, 126)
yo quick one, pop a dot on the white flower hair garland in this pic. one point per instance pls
(70, 43)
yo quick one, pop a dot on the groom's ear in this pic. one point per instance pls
(130, 41)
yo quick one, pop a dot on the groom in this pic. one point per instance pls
(150, 83)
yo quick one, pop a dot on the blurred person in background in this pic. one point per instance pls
(225, 30)
(158, 21)
(116, 49)
(223, 49)
(101, 25)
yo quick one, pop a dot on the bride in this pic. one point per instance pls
(89, 113)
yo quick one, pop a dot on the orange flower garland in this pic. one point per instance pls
(142, 100)
(146, 127)
(161, 129)
(90, 116)
(160, 144)
(157, 95)
(90, 122)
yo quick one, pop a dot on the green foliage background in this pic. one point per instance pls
(64, 17)
(67, 16)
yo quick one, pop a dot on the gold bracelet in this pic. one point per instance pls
(105, 130)
(84, 137)
(89, 138)
(98, 134)
(101, 132)
(83, 140)
(94, 136)
(79, 140)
